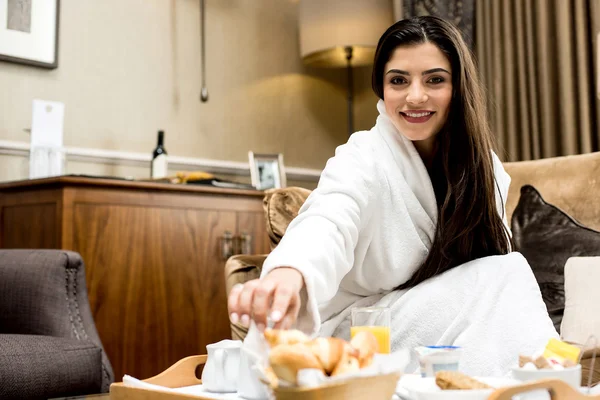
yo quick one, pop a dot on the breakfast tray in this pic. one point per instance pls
(382, 387)
(183, 373)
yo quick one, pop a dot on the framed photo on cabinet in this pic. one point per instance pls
(267, 170)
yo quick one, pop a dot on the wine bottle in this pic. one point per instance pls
(159, 164)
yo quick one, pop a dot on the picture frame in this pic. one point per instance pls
(29, 32)
(267, 171)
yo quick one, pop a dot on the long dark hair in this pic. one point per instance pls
(462, 172)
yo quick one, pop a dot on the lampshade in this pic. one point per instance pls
(327, 27)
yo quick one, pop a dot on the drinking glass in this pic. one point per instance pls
(375, 320)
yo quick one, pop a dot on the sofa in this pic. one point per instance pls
(49, 346)
(555, 217)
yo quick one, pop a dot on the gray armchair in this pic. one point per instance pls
(49, 346)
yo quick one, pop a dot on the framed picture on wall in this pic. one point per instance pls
(267, 171)
(29, 32)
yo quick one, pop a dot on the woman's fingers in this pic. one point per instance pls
(261, 302)
(284, 300)
(233, 302)
(276, 296)
(240, 302)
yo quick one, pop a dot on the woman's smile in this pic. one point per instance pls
(417, 116)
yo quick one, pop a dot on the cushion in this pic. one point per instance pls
(42, 367)
(281, 206)
(547, 237)
(582, 300)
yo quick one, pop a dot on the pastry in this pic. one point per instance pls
(541, 363)
(348, 363)
(287, 359)
(366, 344)
(524, 360)
(454, 380)
(272, 379)
(276, 337)
(328, 351)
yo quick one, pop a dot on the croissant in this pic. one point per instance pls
(348, 363)
(366, 344)
(287, 359)
(328, 351)
(275, 337)
(292, 350)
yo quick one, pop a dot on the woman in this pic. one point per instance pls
(410, 215)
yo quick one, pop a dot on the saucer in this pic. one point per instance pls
(419, 388)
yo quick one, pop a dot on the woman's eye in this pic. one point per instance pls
(436, 79)
(397, 80)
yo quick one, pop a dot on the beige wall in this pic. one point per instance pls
(128, 68)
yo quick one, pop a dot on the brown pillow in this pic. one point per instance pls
(547, 237)
(281, 206)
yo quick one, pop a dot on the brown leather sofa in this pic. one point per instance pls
(571, 183)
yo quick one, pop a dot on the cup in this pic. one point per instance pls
(221, 371)
(375, 320)
(438, 358)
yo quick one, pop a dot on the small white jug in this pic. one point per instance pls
(220, 373)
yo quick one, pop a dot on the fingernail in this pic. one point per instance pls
(234, 318)
(245, 320)
(261, 327)
(276, 316)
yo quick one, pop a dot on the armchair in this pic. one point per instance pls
(49, 346)
(281, 206)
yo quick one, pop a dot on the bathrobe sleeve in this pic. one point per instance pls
(320, 241)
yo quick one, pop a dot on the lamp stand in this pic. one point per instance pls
(348, 50)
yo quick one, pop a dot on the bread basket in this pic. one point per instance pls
(378, 387)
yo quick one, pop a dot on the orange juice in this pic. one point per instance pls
(382, 333)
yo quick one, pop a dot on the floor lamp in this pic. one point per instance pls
(342, 34)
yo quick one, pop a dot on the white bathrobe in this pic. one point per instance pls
(370, 224)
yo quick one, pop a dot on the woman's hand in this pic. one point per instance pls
(276, 295)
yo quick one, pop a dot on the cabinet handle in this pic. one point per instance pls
(245, 243)
(227, 245)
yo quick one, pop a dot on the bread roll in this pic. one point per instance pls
(454, 380)
(328, 351)
(366, 344)
(276, 337)
(348, 363)
(271, 377)
(287, 359)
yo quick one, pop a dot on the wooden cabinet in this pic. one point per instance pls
(153, 257)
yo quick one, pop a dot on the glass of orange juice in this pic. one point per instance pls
(375, 320)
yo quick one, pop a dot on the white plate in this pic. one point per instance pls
(425, 388)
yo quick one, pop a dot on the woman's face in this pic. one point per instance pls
(417, 89)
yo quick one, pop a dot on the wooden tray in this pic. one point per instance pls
(559, 390)
(183, 373)
(180, 374)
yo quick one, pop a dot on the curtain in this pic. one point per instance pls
(537, 60)
(460, 12)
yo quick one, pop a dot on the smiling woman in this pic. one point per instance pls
(425, 75)
(410, 215)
